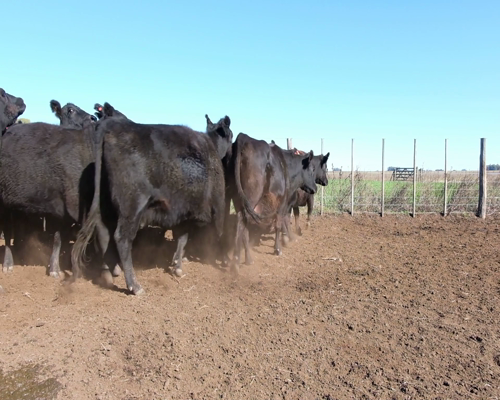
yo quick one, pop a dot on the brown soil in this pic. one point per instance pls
(358, 308)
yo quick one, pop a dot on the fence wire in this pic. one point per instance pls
(462, 193)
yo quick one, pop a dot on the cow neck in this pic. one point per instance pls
(294, 167)
(217, 142)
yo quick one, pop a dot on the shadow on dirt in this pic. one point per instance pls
(29, 383)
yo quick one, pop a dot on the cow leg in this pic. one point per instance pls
(8, 260)
(310, 206)
(296, 213)
(225, 247)
(285, 230)
(103, 237)
(277, 241)
(124, 236)
(240, 228)
(246, 243)
(54, 269)
(182, 238)
(176, 234)
(288, 235)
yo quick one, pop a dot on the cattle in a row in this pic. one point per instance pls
(162, 175)
(262, 177)
(71, 116)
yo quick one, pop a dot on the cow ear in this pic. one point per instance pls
(227, 121)
(208, 120)
(307, 160)
(55, 106)
(108, 110)
(325, 159)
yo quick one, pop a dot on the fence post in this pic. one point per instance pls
(445, 177)
(383, 181)
(414, 176)
(352, 176)
(289, 144)
(322, 191)
(481, 208)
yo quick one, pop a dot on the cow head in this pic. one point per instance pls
(70, 116)
(107, 111)
(308, 174)
(221, 135)
(11, 108)
(98, 111)
(321, 169)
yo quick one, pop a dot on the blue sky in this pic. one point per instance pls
(361, 70)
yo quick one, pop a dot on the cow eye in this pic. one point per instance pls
(70, 110)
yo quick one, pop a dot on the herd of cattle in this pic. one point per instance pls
(110, 177)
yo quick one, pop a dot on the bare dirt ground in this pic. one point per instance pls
(359, 307)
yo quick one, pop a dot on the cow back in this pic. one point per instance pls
(42, 166)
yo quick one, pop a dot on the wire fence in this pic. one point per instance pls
(411, 190)
(461, 188)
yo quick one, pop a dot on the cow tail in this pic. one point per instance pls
(241, 194)
(87, 230)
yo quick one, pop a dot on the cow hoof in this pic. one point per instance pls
(117, 271)
(8, 269)
(278, 252)
(178, 272)
(55, 274)
(139, 292)
(184, 259)
(249, 262)
(106, 279)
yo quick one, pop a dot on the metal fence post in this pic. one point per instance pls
(445, 177)
(383, 181)
(352, 176)
(414, 177)
(481, 208)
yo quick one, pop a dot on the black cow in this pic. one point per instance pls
(71, 116)
(46, 170)
(262, 177)
(301, 198)
(11, 108)
(166, 175)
